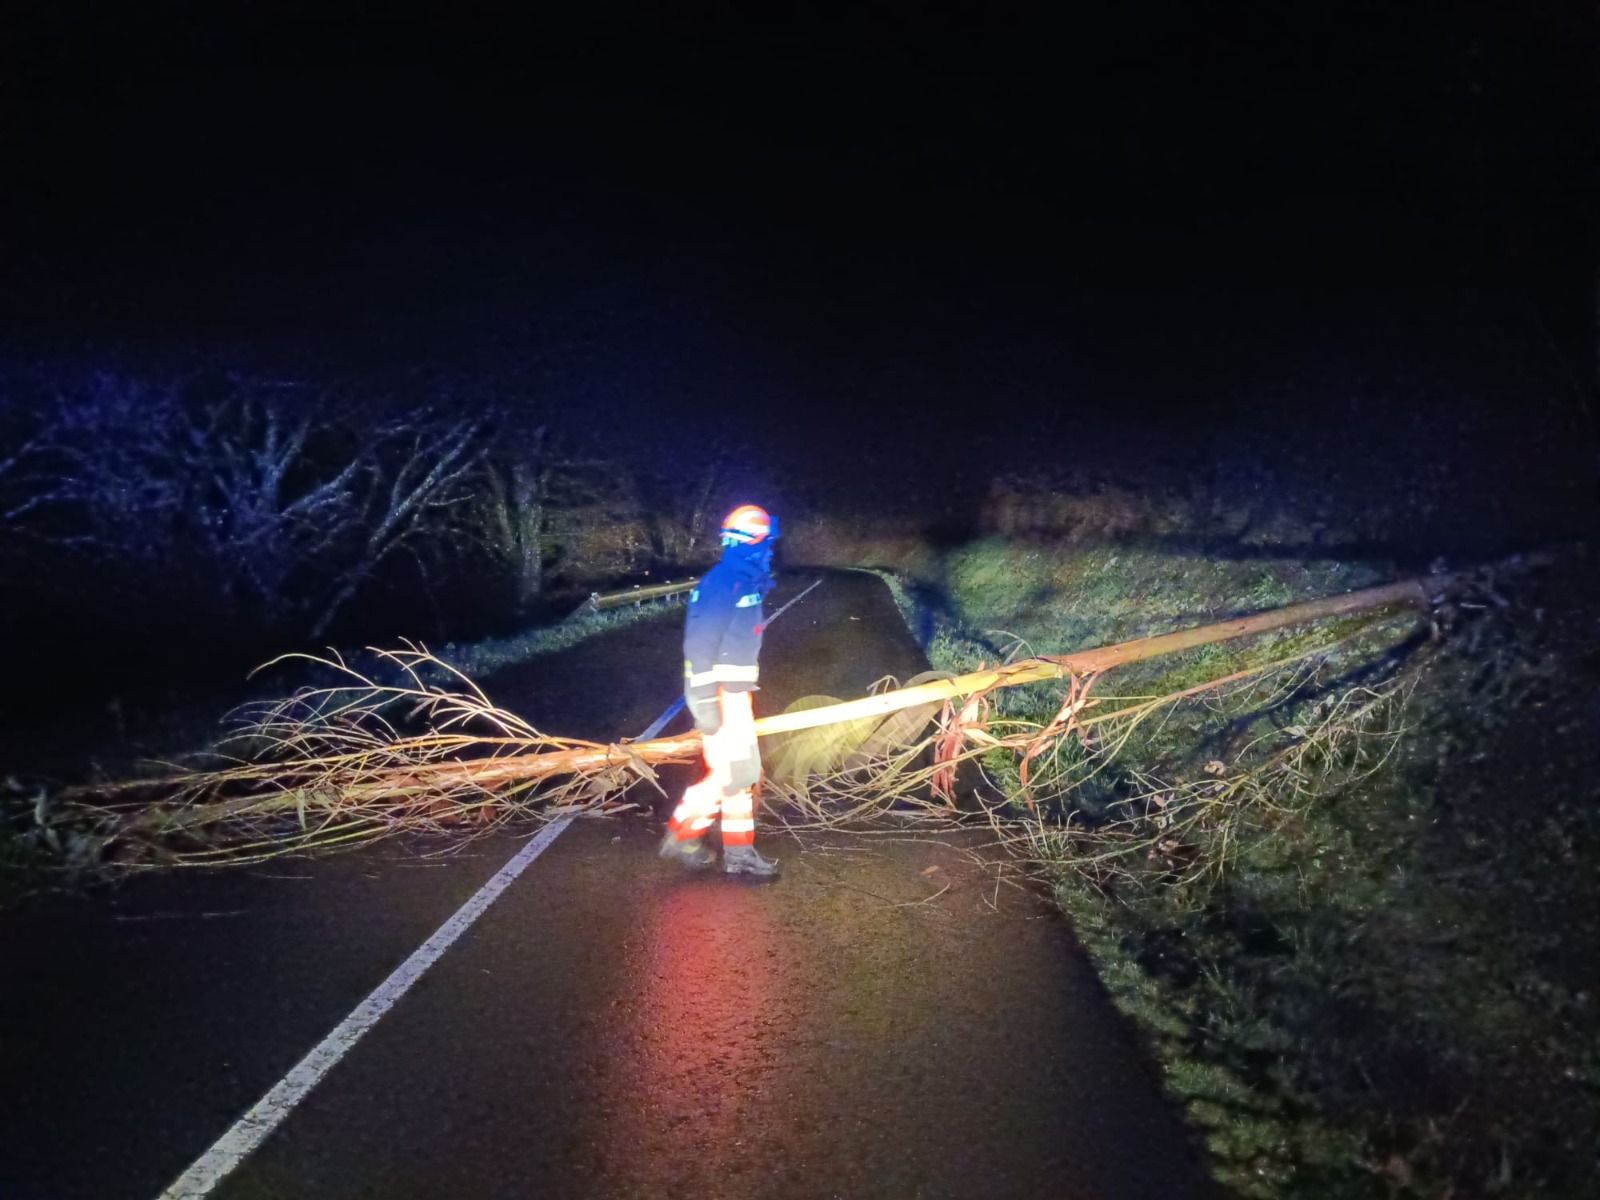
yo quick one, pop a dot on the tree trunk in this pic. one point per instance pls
(372, 802)
(1414, 592)
(528, 485)
(585, 758)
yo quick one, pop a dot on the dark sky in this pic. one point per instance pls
(665, 208)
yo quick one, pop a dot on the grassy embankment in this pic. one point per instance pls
(1383, 986)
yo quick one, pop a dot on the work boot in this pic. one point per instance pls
(692, 854)
(743, 860)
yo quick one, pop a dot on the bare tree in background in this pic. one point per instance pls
(28, 484)
(418, 472)
(515, 502)
(680, 511)
(274, 497)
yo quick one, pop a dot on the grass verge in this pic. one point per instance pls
(1383, 988)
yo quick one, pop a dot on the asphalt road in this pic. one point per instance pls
(883, 1021)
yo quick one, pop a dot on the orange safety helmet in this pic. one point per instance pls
(748, 525)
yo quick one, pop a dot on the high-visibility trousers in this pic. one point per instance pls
(733, 767)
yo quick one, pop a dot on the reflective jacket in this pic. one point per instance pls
(722, 633)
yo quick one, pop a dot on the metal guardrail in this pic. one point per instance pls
(600, 601)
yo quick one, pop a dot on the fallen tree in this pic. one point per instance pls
(358, 759)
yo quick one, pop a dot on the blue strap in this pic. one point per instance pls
(660, 722)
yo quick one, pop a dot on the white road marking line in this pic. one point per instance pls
(212, 1167)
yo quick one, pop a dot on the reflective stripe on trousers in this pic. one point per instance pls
(721, 673)
(734, 742)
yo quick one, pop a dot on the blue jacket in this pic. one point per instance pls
(722, 633)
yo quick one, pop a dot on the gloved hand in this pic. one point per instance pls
(707, 713)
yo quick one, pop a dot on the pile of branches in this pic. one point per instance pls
(351, 761)
(1180, 832)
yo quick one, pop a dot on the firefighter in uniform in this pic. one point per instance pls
(721, 649)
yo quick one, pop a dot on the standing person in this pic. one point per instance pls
(721, 649)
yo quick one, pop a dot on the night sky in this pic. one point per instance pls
(852, 220)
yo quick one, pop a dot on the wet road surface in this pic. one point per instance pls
(883, 1021)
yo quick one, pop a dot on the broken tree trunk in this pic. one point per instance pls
(1093, 662)
(340, 787)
